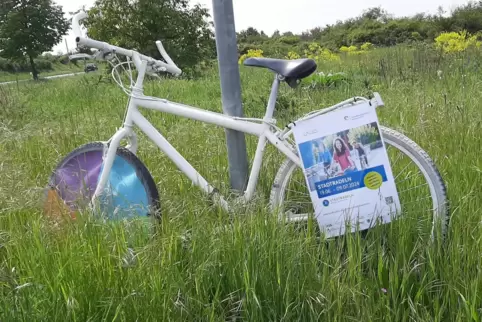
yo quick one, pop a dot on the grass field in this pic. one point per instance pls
(57, 70)
(255, 269)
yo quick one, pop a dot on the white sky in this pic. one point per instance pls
(284, 15)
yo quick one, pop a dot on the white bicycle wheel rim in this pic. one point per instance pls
(439, 209)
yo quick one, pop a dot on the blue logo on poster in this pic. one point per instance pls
(326, 203)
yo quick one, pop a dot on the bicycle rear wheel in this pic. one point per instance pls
(131, 191)
(419, 184)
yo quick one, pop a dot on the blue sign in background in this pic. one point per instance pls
(346, 182)
(306, 154)
(306, 151)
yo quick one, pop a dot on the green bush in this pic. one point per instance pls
(41, 63)
(290, 40)
(374, 26)
(376, 145)
(322, 80)
(7, 66)
(49, 57)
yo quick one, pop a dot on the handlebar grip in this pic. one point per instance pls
(163, 52)
(171, 67)
(76, 25)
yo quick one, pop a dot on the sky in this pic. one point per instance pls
(284, 15)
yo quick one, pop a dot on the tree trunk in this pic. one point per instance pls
(34, 70)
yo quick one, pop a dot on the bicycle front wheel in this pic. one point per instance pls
(130, 191)
(420, 186)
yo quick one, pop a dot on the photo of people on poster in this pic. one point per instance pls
(341, 153)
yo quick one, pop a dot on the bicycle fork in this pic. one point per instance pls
(110, 151)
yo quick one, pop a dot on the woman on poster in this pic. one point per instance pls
(342, 156)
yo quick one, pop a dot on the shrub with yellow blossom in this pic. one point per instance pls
(292, 55)
(316, 52)
(353, 50)
(453, 42)
(249, 54)
(367, 46)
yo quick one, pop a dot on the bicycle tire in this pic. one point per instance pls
(394, 139)
(74, 179)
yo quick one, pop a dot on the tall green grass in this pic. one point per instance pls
(201, 264)
(57, 69)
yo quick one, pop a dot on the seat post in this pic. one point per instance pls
(272, 98)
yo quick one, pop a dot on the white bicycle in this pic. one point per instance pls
(112, 177)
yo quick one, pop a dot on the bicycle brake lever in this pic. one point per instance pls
(80, 56)
(152, 72)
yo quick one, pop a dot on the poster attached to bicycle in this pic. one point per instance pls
(347, 169)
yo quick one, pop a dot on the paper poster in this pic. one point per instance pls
(347, 169)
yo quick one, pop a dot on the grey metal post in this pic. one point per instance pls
(227, 51)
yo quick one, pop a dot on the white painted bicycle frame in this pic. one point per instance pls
(134, 118)
(264, 130)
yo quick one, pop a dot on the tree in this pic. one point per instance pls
(316, 32)
(249, 32)
(468, 17)
(30, 27)
(376, 13)
(137, 24)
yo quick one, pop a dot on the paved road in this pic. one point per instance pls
(46, 77)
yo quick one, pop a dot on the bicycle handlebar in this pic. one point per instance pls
(169, 67)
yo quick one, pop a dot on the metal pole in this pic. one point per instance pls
(227, 51)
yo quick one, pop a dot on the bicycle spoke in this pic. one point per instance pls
(396, 160)
(402, 171)
(418, 200)
(421, 185)
(399, 182)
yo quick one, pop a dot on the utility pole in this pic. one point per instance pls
(227, 51)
